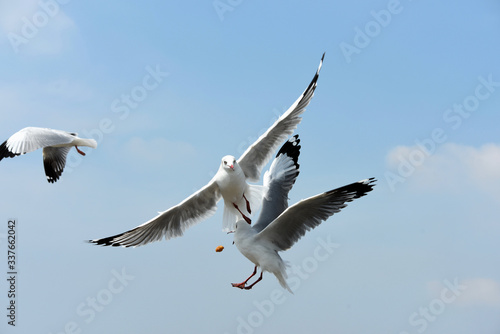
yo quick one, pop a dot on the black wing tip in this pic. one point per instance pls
(358, 189)
(5, 152)
(369, 182)
(321, 63)
(364, 186)
(50, 172)
(314, 81)
(291, 148)
(105, 242)
(112, 241)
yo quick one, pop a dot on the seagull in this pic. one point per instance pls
(229, 183)
(279, 227)
(56, 145)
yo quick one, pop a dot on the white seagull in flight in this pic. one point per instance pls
(229, 183)
(55, 143)
(279, 227)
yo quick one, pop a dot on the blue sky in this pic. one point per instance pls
(409, 94)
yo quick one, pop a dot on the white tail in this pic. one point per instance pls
(281, 276)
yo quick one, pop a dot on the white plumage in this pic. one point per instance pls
(55, 143)
(229, 183)
(280, 226)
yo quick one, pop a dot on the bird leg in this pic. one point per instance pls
(244, 217)
(79, 151)
(242, 284)
(258, 280)
(248, 204)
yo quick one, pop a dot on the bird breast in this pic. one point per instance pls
(260, 253)
(232, 184)
(244, 241)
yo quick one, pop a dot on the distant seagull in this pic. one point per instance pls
(279, 227)
(230, 183)
(56, 145)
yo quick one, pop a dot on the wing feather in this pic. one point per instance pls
(171, 223)
(278, 181)
(54, 161)
(31, 139)
(294, 222)
(259, 153)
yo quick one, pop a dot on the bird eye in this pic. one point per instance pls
(225, 162)
(234, 162)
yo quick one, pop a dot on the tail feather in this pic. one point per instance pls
(229, 217)
(281, 276)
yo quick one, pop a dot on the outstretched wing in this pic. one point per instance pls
(30, 139)
(278, 181)
(54, 160)
(171, 223)
(292, 224)
(258, 154)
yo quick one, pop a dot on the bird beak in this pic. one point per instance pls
(232, 167)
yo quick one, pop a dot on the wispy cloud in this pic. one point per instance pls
(476, 291)
(452, 167)
(35, 27)
(481, 291)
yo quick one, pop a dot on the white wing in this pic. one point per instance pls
(54, 160)
(278, 181)
(30, 139)
(292, 224)
(258, 154)
(171, 223)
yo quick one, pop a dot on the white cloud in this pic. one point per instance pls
(472, 292)
(483, 163)
(12, 11)
(35, 27)
(451, 167)
(481, 291)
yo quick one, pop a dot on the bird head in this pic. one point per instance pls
(229, 163)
